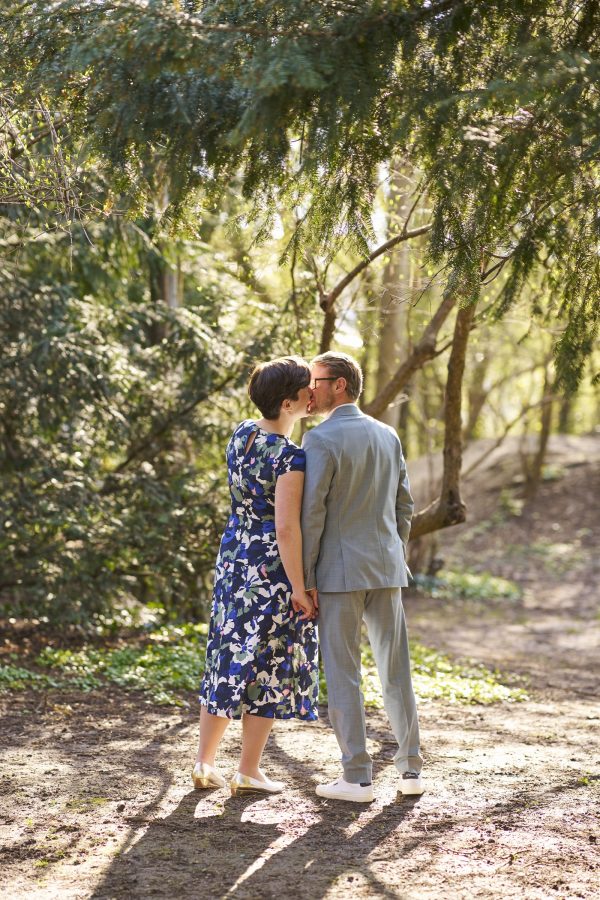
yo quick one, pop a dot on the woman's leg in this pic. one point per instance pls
(212, 729)
(255, 732)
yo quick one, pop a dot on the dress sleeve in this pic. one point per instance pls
(293, 459)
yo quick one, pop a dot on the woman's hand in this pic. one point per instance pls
(302, 601)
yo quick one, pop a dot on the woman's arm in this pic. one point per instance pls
(288, 503)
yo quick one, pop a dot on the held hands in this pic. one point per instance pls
(306, 602)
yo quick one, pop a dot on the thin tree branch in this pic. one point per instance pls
(327, 301)
(423, 351)
(44, 133)
(515, 421)
(404, 235)
(162, 429)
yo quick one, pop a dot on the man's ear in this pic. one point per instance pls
(341, 385)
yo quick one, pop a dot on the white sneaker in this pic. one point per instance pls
(343, 790)
(411, 783)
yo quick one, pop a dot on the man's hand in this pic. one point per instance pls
(314, 595)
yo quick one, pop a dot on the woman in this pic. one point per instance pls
(261, 657)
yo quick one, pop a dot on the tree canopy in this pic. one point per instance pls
(494, 103)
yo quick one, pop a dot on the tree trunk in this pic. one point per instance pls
(476, 397)
(565, 415)
(328, 327)
(534, 470)
(394, 298)
(449, 508)
(172, 293)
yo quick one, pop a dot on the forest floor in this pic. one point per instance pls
(97, 800)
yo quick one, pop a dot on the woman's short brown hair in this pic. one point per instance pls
(342, 365)
(273, 382)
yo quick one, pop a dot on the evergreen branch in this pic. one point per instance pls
(421, 14)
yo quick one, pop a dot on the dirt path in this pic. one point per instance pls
(97, 802)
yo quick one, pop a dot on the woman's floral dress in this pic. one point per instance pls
(260, 657)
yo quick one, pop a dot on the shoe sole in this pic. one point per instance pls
(346, 798)
(410, 793)
(252, 790)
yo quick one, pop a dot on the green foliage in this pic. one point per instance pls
(436, 677)
(169, 662)
(17, 678)
(151, 143)
(468, 585)
(115, 410)
(102, 497)
(301, 103)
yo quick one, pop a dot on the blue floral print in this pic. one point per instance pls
(260, 658)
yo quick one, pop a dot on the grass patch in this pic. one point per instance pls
(557, 557)
(468, 586)
(15, 678)
(436, 677)
(166, 664)
(169, 663)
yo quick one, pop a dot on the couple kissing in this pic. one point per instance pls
(317, 533)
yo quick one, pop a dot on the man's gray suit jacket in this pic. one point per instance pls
(356, 507)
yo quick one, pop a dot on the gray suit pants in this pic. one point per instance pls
(340, 619)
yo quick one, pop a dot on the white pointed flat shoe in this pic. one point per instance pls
(243, 784)
(344, 790)
(205, 776)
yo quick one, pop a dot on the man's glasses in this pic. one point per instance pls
(313, 383)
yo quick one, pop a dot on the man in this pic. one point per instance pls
(356, 516)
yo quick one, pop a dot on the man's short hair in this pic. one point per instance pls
(342, 365)
(273, 382)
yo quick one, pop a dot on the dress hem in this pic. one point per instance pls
(237, 716)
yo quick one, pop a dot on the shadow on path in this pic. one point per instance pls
(254, 846)
(226, 854)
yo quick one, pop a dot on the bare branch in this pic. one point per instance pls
(423, 351)
(404, 235)
(327, 301)
(508, 427)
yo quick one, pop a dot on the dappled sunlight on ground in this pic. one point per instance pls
(511, 792)
(97, 800)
